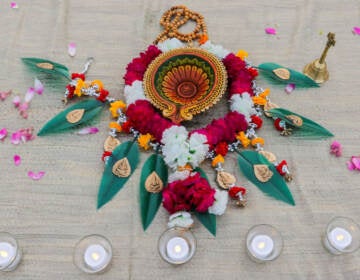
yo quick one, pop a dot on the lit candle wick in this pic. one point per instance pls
(177, 249)
(95, 256)
(340, 237)
(4, 254)
(261, 245)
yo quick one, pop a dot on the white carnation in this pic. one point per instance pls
(178, 175)
(134, 92)
(243, 104)
(176, 148)
(170, 44)
(180, 219)
(198, 149)
(217, 50)
(219, 206)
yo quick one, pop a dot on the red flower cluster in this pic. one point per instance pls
(71, 88)
(240, 77)
(145, 119)
(137, 67)
(225, 129)
(103, 94)
(257, 120)
(221, 149)
(193, 193)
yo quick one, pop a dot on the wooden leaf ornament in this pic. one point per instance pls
(225, 180)
(47, 66)
(264, 175)
(154, 176)
(118, 169)
(75, 115)
(284, 75)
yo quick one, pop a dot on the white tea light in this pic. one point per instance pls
(7, 253)
(262, 245)
(10, 254)
(96, 257)
(340, 238)
(177, 249)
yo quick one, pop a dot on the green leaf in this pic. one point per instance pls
(202, 173)
(46, 66)
(208, 220)
(150, 202)
(110, 183)
(308, 129)
(269, 70)
(89, 109)
(275, 186)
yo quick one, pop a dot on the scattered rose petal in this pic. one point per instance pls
(335, 148)
(16, 101)
(356, 30)
(72, 49)
(4, 94)
(17, 160)
(29, 94)
(88, 130)
(36, 176)
(14, 5)
(350, 166)
(289, 88)
(22, 135)
(3, 134)
(38, 86)
(356, 162)
(270, 30)
(23, 110)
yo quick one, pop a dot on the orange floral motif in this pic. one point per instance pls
(257, 140)
(116, 126)
(115, 106)
(144, 141)
(218, 159)
(245, 141)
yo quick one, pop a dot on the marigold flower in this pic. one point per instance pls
(241, 136)
(265, 93)
(203, 39)
(242, 54)
(144, 141)
(99, 84)
(116, 126)
(218, 159)
(80, 84)
(259, 100)
(115, 106)
(257, 140)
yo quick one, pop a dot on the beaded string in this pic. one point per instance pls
(178, 16)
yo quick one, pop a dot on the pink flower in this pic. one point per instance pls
(38, 87)
(88, 130)
(22, 135)
(356, 30)
(289, 88)
(36, 176)
(16, 101)
(335, 148)
(4, 94)
(17, 160)
(3, 134)
(354, 163)
(14, 5)
(270, 30)
(72, 49)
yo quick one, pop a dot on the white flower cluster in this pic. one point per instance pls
(170, 44)
(180, 219)
(220, 204)
(134, 92)
(179, 149)
(217, 50)
(243, 104)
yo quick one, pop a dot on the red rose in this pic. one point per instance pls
(222, 149)
(102, 96)
(77, 76)
(256, 120)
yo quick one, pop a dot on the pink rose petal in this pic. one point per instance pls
(336, 148)
(88, 130)
(36, 176)
(16, 101)
(14, 5)
(16, 138)
(17, 160)
(22, 135)
(356, 162)
(356, 30)
(29, 95)
(3, 134)
(350, 165)
(289, 88)
(72, 49)
(38, 87)
(4, 94)
(270, 30)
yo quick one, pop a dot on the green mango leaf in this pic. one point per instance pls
(208, 220)
(46, 66)
(111, 184)
(307, 129)
(85, 111)
(202, 173)
(150, 202)
(270, 70)
(275, 187)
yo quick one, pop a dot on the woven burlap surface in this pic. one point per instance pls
(49, 216)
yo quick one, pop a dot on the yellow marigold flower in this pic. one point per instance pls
(216, 160)
(242, 54)
(116, 126)
(80, 84)
(144, 140)
(265, 93)
(245, 141)
(258, 100)
(98, 83)
(257, 140)
(115, 106)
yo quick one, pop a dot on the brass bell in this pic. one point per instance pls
(317, 70)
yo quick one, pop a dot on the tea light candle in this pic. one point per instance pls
(340, 238)
(96, 257)
(7, 254)
(177, 249)
(262, 246)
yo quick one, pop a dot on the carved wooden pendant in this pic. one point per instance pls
(268, 106)
(45, 65)
(282, 73)
(75, 115)
(296, 120)
(262, 172)
(111, 143)
(153, 183)
(225, 180)
(122, 168)
(268, 155)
